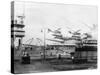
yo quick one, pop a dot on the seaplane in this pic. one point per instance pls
(58, 37)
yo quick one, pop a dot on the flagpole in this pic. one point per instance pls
(44, 45)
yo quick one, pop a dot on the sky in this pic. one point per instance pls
(41, 16)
